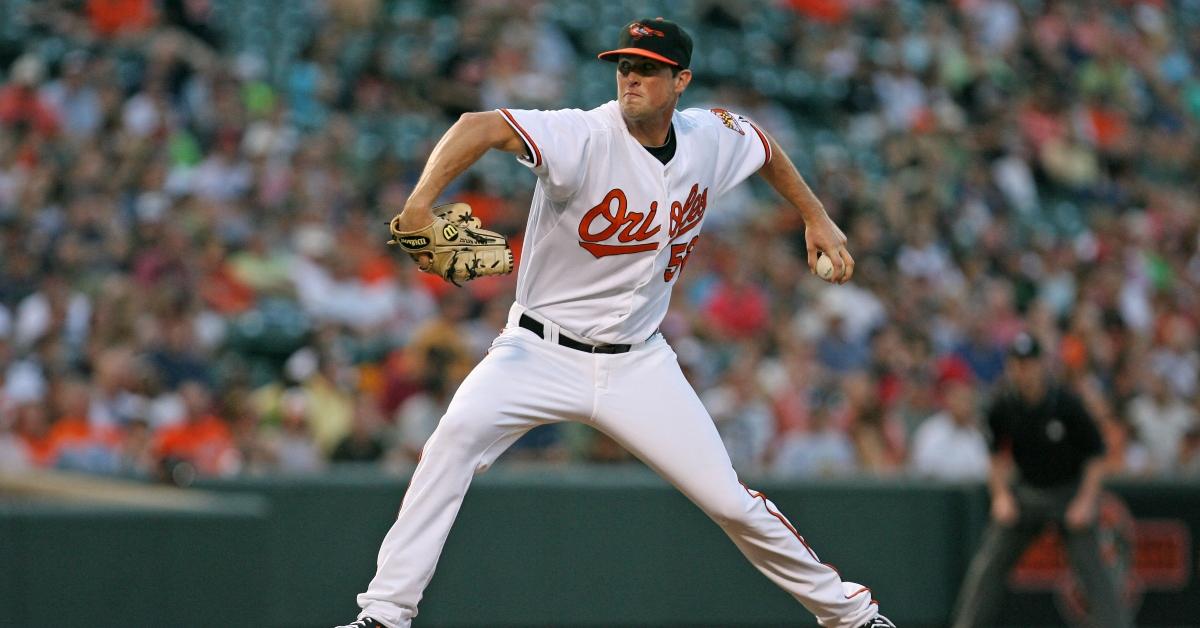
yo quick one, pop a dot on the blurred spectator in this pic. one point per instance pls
(117, 17)
(985, 356)
(220, 289)
(248, 430)
(950, 445)
(260, 266)
(224, 175)
(74, 98)
(484, 329)
(290, 444)
(184, 199)
(789, 383)
(838, 350)
(112, 403)
(418, 416)
(363, 443)
(1189, 455)
(31, 425)
(440, 344)
(922, 257)
(137, 456)
(320, 378)
(177, 359)
(542, 443)
(56, 310)
(744, 419)
(202, 439)
(1125, 453)
(1177, 358)
(737, 308)
(21, 103)
(76, 442)
(1161, 419)
(331, 289)
(14, 452)
(822, 451)
(877, 435)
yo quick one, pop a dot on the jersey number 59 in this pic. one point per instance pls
(678, 258)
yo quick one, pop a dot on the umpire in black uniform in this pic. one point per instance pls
(1042, 428)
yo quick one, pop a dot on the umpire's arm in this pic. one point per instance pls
(462, 145)
(1081, 512)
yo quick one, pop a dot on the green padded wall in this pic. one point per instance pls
(607, 546)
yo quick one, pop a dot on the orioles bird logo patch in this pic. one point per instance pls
(638, 31)
(729, 120)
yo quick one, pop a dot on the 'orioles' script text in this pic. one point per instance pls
(611, 218)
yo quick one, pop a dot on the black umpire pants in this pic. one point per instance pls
(983, 590)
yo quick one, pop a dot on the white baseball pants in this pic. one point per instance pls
(641, 400)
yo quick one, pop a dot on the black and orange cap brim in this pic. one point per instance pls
(612, 55)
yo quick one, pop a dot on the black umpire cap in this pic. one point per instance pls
(658, 39)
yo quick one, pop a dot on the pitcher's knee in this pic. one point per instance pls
(730, 510)
(457, 437)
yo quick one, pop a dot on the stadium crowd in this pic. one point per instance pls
(192, 198)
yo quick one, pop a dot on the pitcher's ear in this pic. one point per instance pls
(682, 80)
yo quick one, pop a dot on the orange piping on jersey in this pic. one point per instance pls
(788, 525)
(766, 144)
(859, 592)
(785, 522)
(537, 154)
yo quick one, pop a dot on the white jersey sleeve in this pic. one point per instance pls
(741, 148)
(556, 144)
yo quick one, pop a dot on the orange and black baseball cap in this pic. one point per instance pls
(653, 38)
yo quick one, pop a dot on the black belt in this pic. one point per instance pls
(536, 327)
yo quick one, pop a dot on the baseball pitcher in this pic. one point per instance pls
(622, 192)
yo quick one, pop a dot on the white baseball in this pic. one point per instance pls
(824, 267)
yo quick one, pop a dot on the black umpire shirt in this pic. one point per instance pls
(1050, 440)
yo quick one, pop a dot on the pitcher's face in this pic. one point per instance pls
(646, 88)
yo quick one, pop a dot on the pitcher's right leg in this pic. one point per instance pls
(517, 386)
(654, 413)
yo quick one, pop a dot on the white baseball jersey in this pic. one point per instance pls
(609, 232)
(611, 227)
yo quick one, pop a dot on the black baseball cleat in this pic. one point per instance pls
(879, 622)
(365, 622)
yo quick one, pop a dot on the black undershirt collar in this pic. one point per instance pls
(665, 152)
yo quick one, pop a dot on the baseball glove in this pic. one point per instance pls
(458, 247)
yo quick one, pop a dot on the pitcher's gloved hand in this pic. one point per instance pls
(455, 246)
